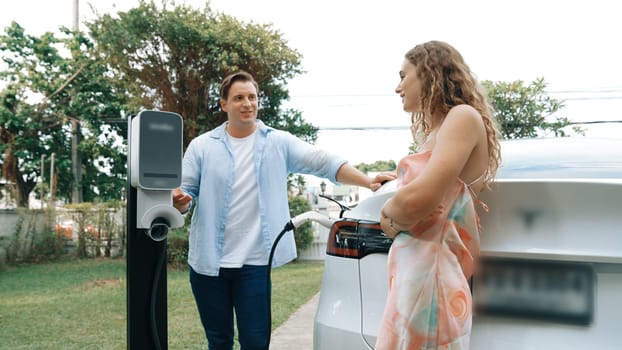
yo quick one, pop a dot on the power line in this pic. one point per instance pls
(379, 128)
(592, 98)
(608, 90)
(597, 122)
(577, 98)
(362, 128)
(587, 91)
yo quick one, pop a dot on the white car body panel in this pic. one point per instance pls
(553, 219)
(331, 329)
(374, 282)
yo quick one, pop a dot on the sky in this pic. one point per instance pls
(352, 52)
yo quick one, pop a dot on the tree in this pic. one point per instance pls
(380, 165)
(19, 136)
(296, 184)
(51, 83)
(303, 235)
(146, 58)
(174, 60)
(526, 110)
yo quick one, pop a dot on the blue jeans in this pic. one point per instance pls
(244, 290)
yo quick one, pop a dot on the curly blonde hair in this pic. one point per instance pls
(447, 81)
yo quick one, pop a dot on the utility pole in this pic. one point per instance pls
(52, 189)
(41, 182)
(75, 14)
(76, 160)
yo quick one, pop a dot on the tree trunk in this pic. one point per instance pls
(11, 173)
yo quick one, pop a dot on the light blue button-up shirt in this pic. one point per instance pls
(208, 176)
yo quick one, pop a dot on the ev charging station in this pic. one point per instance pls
(154, 169)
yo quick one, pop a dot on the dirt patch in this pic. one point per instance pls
(104, 282)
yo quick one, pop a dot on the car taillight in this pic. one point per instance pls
(355, 239)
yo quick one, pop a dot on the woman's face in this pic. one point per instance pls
(409, 87)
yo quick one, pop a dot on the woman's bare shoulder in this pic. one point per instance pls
(461, 118)
(464, 110)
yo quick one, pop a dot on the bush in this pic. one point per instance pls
(303, 234)
(47, 247)
(177, 248)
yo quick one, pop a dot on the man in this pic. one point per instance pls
(235, 177)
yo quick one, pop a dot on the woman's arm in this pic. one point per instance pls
(460, 132)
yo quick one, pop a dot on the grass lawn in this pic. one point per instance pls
(81, 304)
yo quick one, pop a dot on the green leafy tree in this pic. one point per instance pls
(525, 111)
(51, 85)
(19, 143)
(296, 183)
(174, 59)
(380, 165)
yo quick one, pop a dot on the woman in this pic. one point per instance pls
(432, 216)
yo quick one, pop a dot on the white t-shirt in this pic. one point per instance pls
(242, 231)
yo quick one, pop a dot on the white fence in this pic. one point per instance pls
(317, 250)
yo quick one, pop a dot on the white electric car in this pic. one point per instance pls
(551, 251)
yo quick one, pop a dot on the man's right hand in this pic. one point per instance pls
(181, 200)
(381, 179)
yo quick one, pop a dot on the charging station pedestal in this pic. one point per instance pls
(154, 170)
(142, 259)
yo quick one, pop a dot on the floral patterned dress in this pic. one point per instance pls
(429, 302)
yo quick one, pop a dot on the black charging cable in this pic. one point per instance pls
(288, 226)
(154, 296)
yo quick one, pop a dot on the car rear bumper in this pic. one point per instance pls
(495, 332)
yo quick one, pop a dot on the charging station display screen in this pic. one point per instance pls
(161, 135)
